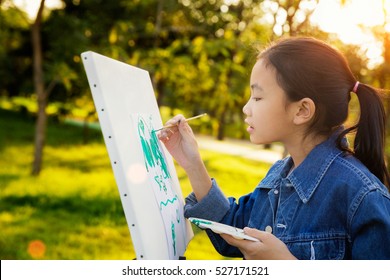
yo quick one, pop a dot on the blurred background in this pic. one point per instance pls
(58, 198)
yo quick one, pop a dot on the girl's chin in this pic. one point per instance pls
(254, 140)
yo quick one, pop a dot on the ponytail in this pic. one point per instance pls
(370, 136)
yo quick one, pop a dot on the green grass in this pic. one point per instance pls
(72, 210)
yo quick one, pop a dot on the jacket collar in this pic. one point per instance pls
(308, 175)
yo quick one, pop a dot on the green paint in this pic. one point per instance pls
(158, 154)
(155, 164)
(198, 222)
(173, 237)
(148, 156)
(153, 155)
(161, 183)
(162, 203)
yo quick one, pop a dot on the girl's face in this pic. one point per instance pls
(268, 114)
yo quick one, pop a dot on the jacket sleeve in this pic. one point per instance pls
(370, 227)
(216, 207)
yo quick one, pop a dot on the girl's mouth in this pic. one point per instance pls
(250, 129)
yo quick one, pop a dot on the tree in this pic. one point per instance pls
(15, 47)
(205, 67)
(41, 91)
(290, 17)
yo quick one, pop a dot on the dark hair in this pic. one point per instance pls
(307, 67)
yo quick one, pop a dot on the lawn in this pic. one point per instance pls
(72, 210)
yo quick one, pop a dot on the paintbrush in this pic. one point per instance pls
(176, 124)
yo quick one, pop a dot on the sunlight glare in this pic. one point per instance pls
(31, 6)
(352, 22)
(346, 21)
(137, 173)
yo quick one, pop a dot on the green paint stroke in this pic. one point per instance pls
(161, 183)
(158, 154)
(162, 203)
(153, 155)
(173, 237)
(198, 222)
(177, 216)
(148, 156)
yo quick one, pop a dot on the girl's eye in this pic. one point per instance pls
(256, 98)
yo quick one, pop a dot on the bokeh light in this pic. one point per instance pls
(36, 249)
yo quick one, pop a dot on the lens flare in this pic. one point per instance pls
(36, 249)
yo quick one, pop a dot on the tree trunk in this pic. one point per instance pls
(41, 122)
(221, 126)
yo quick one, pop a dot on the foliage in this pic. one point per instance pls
(199, 53)
(72, 210)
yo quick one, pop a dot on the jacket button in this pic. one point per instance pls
(268, 229)
(276, 191)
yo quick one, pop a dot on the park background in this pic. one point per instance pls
(58, 197)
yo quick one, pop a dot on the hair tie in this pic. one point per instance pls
(355, 87)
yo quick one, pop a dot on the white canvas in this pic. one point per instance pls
(144, 171)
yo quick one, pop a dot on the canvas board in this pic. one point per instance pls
(144, 171)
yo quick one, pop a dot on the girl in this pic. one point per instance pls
(324, 201)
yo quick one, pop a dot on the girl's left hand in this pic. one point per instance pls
(269, 247)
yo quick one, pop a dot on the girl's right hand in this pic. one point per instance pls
(181, 143)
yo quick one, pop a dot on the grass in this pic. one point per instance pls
(72, 210)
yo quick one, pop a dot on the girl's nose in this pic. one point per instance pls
(245, 109)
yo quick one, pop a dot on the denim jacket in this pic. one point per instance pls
(329, 207)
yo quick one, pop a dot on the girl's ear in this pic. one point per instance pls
(305, 109)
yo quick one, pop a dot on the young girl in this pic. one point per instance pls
(325, 201)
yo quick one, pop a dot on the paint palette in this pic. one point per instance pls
(221, 228)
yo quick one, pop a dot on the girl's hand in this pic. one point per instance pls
(180, 142)
(269, 247)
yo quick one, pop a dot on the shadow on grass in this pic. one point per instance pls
(70, 227)
(19, 129)
(5, 179)
(86, 165)
(83, 208)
